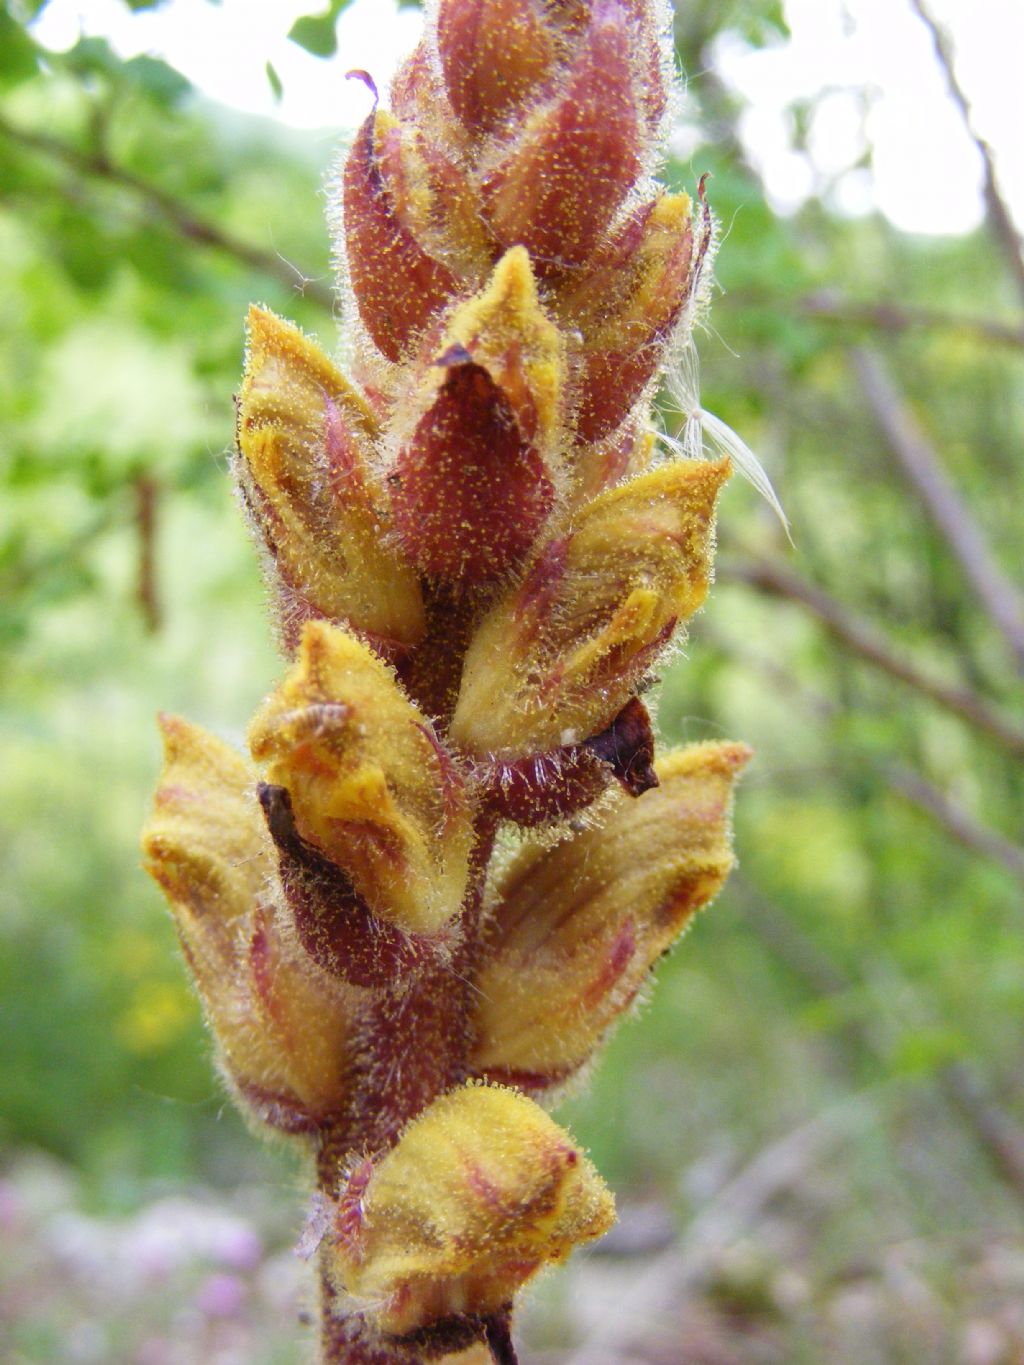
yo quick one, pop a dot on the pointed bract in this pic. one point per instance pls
(476, 479)
(469, 493)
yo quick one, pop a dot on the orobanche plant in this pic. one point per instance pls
(416, 915)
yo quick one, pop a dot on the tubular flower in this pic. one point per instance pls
(577, 928)
(559, 655)
(477, 560)
(283, 1031)
(479, 1194)
(304, 446)
(370, 784)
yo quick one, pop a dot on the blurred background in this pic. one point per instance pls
(815, 1127)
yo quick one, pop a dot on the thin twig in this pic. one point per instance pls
(861, 637)
(898, 317)
(999, 597)
(1002, 220)
(176, 215)
(998, 1133)
(963, 826)
(146, 495)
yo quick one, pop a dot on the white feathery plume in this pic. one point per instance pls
(702, 429)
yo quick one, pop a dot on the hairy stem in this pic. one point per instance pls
(414, 1045)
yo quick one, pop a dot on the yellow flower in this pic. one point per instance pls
(371, 786)
(561, 653)
(480, 1192)
(282, 1028)
(578, 927)
(305, 440)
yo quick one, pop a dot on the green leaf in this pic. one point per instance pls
(316, 32)
(157, 80)
(161, 82)
(764, 25)
(17, 52)
(275, 80)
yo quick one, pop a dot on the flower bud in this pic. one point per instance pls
(472, 486)
(626, 305)
(479, 1194)
(304, 437)
(557, 657)
(576, 160)
(636, 275)
(578, 927)
(494, 53)
(282, 1030)
(397, 285)
(436, 200)
(612, 460)
(369, 783)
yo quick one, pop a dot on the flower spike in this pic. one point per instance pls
(477, 559)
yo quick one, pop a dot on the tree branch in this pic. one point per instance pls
(898, 317)
(860, 637)
(949, 514)
(988, 843)
(971, 833)
(146, 499)
(992, 1125)
(178, 216)
(1002, 220)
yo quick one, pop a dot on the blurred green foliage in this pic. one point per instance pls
(867, 948)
